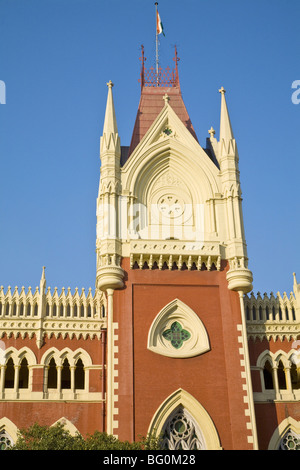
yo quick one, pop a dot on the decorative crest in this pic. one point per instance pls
(158, 77)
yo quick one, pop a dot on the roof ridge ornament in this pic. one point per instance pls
(166, 98)
(212, 132)
(161, 77)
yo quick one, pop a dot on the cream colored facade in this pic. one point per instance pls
(155, 199)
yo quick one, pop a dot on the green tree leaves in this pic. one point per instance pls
(37, 437)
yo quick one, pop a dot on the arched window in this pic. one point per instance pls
(295, 377)
(61, 310)
(89, 311)
(181, 432)
(23, 374)
(36, 310)
(102, 311)
(68, 310)
(281, 376)
(66, 375)
(52, 374)
(28, 309)
(9, 374)
(22, 309)
(286, 314)
(14, 309)
(290, 441)
(268, 376)
(5, 440)
(79, 375)
(267, 313)
(247, 313)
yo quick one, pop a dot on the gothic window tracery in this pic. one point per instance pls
(177, 331)
(290, 441)
(181, 432)
(176, 335)
(5, 440)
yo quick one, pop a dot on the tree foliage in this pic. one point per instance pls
(56, 437)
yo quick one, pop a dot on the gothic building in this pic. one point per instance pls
(171, 342)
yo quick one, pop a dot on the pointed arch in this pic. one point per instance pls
(53, 352)
(152, 148)
(288, 424)
(72, 356)
(172, 156)
(265, 356)
(196, 339)
(181, 432)
(181, 398)
(19, 355)
(68, 425)
(7, 426)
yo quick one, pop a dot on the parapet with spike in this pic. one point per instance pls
(273, 316)
(39, 314)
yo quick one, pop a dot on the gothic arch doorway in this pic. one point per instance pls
(183, 423)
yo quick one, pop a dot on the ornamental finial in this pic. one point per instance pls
(166, 98)
(222, 91)
(110, 84)
(211, 132)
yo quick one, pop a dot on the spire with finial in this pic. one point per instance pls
(43, 281)
(166, 98)
(225, 124)
(296, 285)
(212, 132)
(296, 289)
(110, 138)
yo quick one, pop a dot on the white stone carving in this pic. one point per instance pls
(178, 311)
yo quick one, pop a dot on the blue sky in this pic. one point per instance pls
(56, 57)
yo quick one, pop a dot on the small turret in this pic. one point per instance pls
(110, 141)
(109, 272)
(43, 282)
(226, 133)
(239, 276)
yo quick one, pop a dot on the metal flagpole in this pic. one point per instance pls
(156, 36)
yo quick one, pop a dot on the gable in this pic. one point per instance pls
(150, 106)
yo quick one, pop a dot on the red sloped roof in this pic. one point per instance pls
(151, 104)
